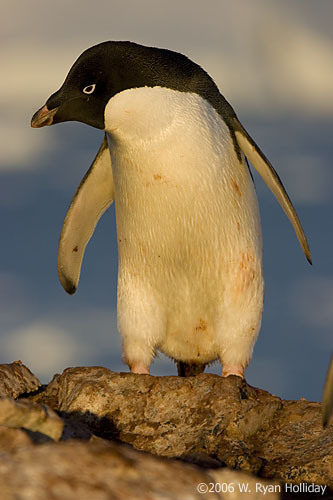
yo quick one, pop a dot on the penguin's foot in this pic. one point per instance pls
(139, 367)
(237, 370)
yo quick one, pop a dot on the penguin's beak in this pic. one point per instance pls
(42, 117)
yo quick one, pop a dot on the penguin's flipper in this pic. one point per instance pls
(273, 181)
(327, 403)
(93, 196)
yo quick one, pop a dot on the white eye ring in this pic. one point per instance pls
(89, 89)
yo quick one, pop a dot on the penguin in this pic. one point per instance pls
(174, 160)
(327, 399)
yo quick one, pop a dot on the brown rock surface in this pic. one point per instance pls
(102, 470)
(16, 379)
(31, 416)
(11, 439)
(226, 420)
(217, 424)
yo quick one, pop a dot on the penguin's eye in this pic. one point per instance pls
(89, 89)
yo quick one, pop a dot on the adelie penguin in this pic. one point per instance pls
(190, 281)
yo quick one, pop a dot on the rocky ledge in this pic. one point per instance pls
(94, 434)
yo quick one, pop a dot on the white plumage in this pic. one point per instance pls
(190, 277)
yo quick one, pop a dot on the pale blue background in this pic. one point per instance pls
(273, 61)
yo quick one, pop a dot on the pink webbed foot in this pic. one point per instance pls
(233, 370)
(139, 368)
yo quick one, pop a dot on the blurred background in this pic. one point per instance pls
(272, 60)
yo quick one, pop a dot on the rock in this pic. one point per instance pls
(100, 470)
(16, 379)
(238, 441)
(224, 420)
(32, 416)
(12, 439)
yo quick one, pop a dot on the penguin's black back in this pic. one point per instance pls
(130, 65)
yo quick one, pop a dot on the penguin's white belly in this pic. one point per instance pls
(190, 254)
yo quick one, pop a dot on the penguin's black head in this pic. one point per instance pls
(85, 92)
(111, 67)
